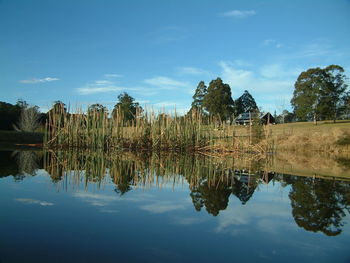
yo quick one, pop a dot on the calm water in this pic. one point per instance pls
(80, 207)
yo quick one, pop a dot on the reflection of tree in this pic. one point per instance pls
(8, 164)
(214, 198)
(215, 195)
(28, 161)
(319, 205)
(242, 190)
(123, 174)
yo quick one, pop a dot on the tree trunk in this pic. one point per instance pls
(315, 119)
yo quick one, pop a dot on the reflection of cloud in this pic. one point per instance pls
(267, 217)
(190, 220)
(163, 207)
(108, 211)
(95, 199)
(33, 201)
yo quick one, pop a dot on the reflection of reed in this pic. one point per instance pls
(144, 171)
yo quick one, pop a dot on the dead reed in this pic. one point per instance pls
(148, 131)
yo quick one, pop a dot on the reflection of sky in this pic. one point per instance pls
(93, 223)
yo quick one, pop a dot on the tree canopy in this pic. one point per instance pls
(198, 97)
(218, 100)
(126, 107)
(245, 103)
(319, 93)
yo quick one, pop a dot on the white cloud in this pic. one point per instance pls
(36, 80)
(265, 84)
(99, 86)
(239, 13)
(166, 83)
(88, 90)
(192, 71)
(33, 201)
(113, 76)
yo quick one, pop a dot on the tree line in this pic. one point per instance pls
(319, 94)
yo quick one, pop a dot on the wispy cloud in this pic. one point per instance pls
(239, 13)
(33, 201)
(192, 71)
(99, 86)
(264, 83)
(165, 82)
(168, 34)
(272, 42)
(90, 89)
(36, 80)
(111, 76)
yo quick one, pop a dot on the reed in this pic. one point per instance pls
(148, 131)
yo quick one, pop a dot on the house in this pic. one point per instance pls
(247, 117)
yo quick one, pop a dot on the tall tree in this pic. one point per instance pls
(333, 92)
(245, 103)
(199, 95)
(126, 106)
(218, 100)
(97, 108)
(318, 93)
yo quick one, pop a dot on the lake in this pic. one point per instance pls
(138, 207)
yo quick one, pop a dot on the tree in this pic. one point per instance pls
(198, 96)
(218, 100)
(126, 107)
(97, 108)
(333, 92)
(245, 103)
(29, 119)
(9, 115)
(58, 107)
(318, 93)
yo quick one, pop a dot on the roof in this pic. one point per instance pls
(245, 116)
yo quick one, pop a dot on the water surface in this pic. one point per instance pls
(92, 207)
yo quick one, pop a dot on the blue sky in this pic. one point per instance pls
(85, 52)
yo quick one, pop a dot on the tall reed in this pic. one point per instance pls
(148, 131)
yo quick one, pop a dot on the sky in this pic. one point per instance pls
(86, 52)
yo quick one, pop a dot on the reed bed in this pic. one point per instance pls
(149, 131)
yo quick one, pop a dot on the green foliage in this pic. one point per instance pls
(126, 107)
(218, 100)
(9, 115)
(319, 93)
(245, 103)
(198, 97)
